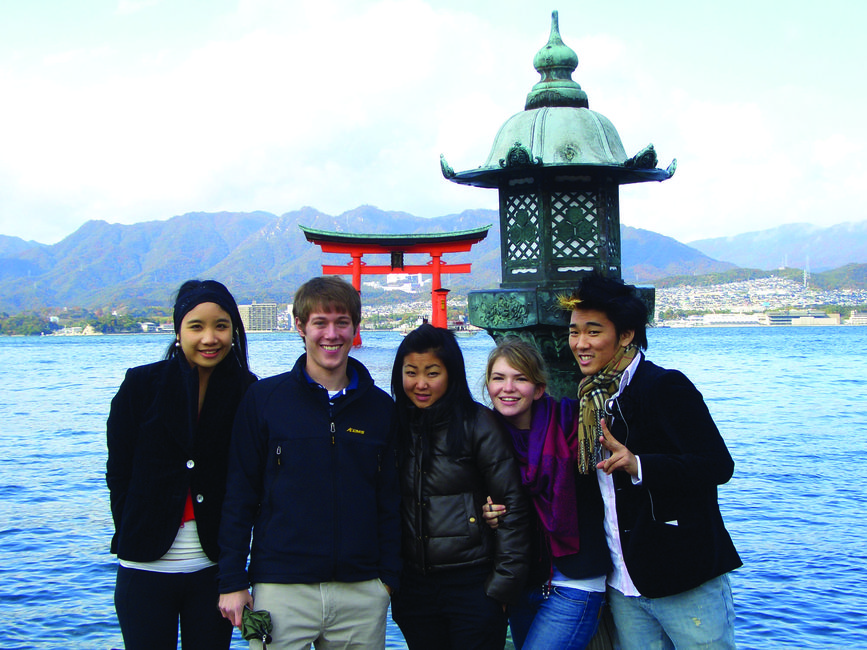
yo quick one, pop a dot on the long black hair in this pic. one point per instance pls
(195, 292)
(457, 400)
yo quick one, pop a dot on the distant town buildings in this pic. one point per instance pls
(259, 316)
(87, 330)
(793, 317)
(407, 282)
(801, 317)
(766, 301)
(148, 326)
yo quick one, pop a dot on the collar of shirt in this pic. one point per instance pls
(628, 374)
(334, 394)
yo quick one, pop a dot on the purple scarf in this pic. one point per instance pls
(548, 472)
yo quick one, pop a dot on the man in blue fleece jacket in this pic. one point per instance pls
(312, 473)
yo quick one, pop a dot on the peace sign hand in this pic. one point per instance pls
(621, 457)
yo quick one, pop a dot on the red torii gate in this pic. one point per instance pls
(397, 246)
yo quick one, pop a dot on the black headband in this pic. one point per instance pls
(207, 291)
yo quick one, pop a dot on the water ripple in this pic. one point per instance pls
(794, 507)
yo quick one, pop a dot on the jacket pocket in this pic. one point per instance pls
(667, 557)
(452, 515)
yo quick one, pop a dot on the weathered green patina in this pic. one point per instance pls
(558, 167)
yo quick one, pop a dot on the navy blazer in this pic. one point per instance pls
(160, 448)
(671, 529)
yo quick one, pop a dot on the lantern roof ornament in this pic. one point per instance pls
(557, 129)
(556, 62)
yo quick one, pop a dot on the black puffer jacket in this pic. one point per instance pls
(443, 495)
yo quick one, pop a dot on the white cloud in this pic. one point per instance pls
(126, 7)
(332, 103)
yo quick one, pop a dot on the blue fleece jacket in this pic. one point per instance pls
(316, 482)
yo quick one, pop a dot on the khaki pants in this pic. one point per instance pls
(330, 615)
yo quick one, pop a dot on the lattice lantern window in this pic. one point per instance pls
(556, 236)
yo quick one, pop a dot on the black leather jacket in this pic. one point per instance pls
(443, 495)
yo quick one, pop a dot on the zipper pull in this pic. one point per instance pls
(333, 430)
(279, 451)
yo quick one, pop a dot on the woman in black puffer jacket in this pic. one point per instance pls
(458, 574)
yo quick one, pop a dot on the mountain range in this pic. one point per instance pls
(264, 257)
(796, 245)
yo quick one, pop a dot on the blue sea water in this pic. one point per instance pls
(790, 402)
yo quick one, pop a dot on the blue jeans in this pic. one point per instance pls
(703, 617)
(566, 619)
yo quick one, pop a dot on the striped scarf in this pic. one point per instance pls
(593, 392)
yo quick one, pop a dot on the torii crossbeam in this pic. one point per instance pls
(397, 246)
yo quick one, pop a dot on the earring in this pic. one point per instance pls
(177, 344)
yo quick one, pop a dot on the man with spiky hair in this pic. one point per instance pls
(659, 459)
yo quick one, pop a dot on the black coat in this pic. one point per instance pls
(442, 499)
(158, 450)
(671, 529)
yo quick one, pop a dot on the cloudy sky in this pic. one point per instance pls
(137, 110)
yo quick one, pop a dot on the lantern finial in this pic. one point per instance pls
(556, 62)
